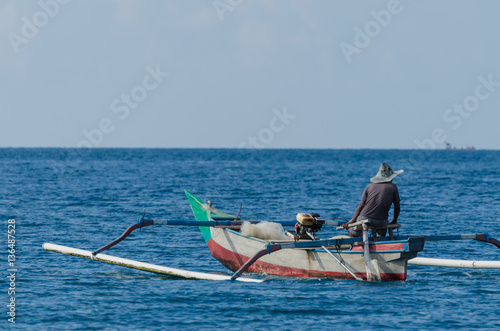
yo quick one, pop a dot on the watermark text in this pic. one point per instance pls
(265, 136)
(223, 6)
(30, 27)
(363, 36)
(11, 270)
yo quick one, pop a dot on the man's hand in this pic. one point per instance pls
(345, 225)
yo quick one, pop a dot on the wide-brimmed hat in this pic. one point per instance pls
(385, 174)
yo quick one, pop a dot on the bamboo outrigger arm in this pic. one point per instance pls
(487, 239)
(268, 250)
(215, 223)
(484, 237)
(124, 235)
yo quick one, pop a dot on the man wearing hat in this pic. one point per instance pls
(376, 201)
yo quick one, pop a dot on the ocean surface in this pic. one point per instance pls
(85, 198)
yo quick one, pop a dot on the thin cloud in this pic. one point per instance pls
(203, 18)
(255, 40)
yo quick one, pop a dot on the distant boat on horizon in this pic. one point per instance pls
(450, 147)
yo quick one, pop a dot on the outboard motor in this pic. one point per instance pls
(308, 224)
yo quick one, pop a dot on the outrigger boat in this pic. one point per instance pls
(367, 258)
(329, 258)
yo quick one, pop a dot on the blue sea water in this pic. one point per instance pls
(85, 198)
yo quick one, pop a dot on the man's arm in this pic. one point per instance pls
(397, 208)
(356, 214)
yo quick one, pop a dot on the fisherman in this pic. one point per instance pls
(376, 202)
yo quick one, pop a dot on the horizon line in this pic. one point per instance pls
(254, 149)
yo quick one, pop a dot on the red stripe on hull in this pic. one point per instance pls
(381, 247)
(233, 261)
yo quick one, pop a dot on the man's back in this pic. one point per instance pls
(378, 199)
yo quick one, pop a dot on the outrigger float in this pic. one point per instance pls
(302, 255)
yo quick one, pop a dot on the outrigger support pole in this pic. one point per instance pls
(123, 236)
(487, 239)
(140, 223)
(268, 250)
(143, 222)
(228, 223)
(484, 237)
(215, 223)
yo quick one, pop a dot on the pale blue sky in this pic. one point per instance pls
(246, 72)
